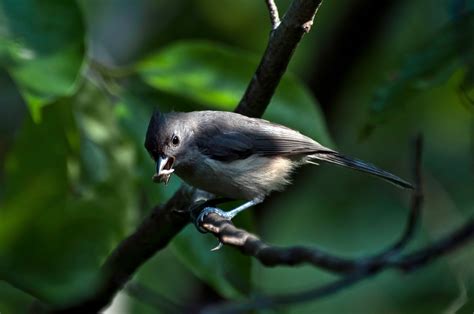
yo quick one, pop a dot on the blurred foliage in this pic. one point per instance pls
(71, 196)
(217, 76)
(451, 49)
(75, 178)
(42, 46)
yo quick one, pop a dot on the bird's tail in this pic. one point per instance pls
(341, 160)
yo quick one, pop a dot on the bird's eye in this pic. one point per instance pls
(175, 140)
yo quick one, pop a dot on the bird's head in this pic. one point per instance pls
(165, 139)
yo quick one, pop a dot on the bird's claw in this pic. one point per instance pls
(218, 247)
(226, 215)
(208, 210)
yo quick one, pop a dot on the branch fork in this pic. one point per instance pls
(167, 220)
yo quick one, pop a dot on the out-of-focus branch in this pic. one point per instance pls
(443, 246)
(353, 270)
(284, 38)
(151, 298)
(274, 15)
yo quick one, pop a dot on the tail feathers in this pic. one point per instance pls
(338, 159)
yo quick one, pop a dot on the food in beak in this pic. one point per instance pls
(164, 169)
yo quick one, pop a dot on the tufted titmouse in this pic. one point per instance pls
(237, 157)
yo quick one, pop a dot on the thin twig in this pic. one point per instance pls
(445, 245)
(416, 203)
(274, 15)
(269, 255)
(297, 21)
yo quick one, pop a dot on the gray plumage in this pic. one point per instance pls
(235, 156)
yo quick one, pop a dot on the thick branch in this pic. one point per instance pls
(167, 220)
(270, 255)
(283, 41)
(154, 234)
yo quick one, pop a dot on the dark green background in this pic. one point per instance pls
(79, 80)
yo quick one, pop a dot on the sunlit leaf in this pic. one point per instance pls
(42, 46)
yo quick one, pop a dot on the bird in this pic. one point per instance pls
(237, 157)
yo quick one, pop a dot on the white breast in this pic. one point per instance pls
(241, 179)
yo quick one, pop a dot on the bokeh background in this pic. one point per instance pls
(79, 80)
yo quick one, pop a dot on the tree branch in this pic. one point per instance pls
(274, 15)
(406, 263)
(270, 255)
(283, 41)
(167, 220)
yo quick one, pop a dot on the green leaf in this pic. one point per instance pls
(42, 46)
(206, 75)
(450, 50)
(216, 76)
(14, 300)
(69, 197)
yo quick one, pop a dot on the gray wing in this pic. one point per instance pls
(226, 136)
(226, 146)
(265, 140)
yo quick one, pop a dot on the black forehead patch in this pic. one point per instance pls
(153, 132)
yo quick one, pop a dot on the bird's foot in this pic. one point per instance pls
(218, 246)
(226, 215)
(209, 210)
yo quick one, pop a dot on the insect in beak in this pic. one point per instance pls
(164, 169)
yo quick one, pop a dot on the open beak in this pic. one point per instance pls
(164, 169)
